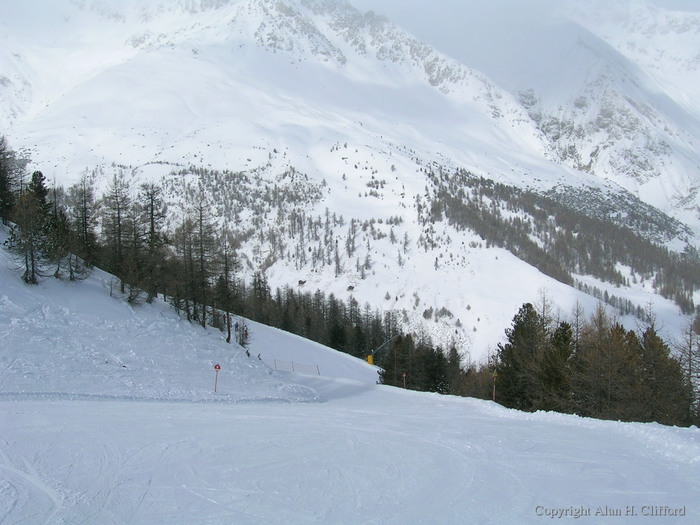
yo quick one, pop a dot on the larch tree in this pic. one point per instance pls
(153, 212)
(181, 282)
(116, 206)
(223, 290)
(84, 212)
(59, 239)
(203, 244)
(7, 194)
(688, 351)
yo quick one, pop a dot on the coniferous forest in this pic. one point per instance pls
(590, 366)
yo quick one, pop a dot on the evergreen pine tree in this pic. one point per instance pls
(668, 398)
(516, 360)
(554, 374)
(29, 237)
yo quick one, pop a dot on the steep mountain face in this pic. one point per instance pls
(368, 55)
(613, 128)
(665, 46)
(334, 146)
(613, 88)
(663, 43)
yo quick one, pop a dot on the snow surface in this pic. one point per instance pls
(108, 415)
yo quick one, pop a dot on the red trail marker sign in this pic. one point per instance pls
(217, 367)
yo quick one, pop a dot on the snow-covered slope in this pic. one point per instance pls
(81, 340)
(249, 75)
(108, 415)
(350, 112)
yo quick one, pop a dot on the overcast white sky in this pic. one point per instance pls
(419, 9)
(440, 22)
(481, 32)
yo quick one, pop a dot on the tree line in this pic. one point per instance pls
(561, 240)
(195, 268)
(593, 368)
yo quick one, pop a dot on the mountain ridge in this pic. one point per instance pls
(259, 96)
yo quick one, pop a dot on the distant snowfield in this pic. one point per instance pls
(108, 415)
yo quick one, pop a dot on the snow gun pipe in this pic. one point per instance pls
(384, 344)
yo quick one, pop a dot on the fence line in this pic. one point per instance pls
(292, 366)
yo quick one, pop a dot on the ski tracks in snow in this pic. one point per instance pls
(24, 496)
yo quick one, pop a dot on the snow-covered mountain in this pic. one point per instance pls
(109, 415)
(263, 65)
(607, 107)
(346, 115)
(612, 85)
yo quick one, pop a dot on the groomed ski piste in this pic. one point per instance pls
(108, 415)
